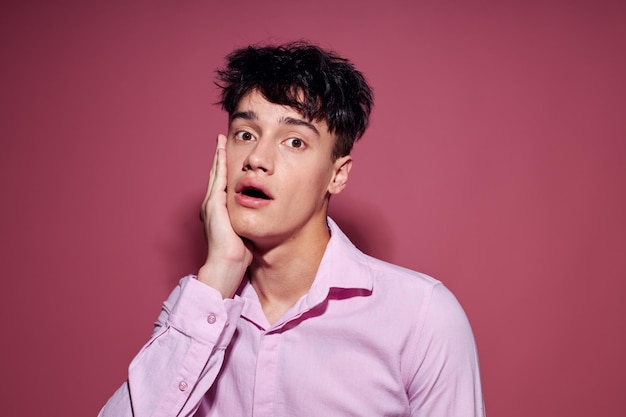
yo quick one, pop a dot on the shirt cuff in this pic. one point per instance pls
(202, 314)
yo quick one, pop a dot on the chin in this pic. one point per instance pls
(247, 225)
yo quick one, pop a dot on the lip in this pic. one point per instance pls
(249, 201)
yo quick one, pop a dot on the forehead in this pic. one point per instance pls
(256, 107)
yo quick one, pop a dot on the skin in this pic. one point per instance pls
(279, 240)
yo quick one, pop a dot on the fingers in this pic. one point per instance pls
(217, 169)
(217, 175)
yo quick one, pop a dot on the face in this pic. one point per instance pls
(280, 172)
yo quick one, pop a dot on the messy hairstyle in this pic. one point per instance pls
(318, 84)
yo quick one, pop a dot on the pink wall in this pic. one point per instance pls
(496, 161)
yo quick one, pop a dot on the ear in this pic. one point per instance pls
(341, 169)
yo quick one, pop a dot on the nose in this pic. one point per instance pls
(260, 157)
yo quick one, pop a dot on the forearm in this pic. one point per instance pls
(171, 373)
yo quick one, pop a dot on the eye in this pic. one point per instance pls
(295, 143)
(244, 135)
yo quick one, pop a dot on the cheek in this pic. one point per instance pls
(233, 164)
(310, 188)
(231, 156)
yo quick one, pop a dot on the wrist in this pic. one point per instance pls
(224, 278)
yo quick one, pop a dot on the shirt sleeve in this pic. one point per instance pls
(446, 378)
(172, 372)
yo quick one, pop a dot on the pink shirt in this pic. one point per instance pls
(369, 339)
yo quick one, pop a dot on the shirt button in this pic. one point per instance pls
(211, 318)
(182, 385)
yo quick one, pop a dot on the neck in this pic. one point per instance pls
(282, 274)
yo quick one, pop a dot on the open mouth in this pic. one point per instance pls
(255, 193)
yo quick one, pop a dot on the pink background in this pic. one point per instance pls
(496, 161)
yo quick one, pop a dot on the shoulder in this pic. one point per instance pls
(400, 282)
(382, 270)
(435, 302)
(429, 310)
(394, 288)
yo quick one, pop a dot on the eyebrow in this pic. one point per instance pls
(246, 115)
(299, 122)
(250, 115)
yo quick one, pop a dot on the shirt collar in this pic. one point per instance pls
(343, 266)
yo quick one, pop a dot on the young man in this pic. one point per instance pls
(287, 317)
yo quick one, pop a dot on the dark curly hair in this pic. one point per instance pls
(319, 84)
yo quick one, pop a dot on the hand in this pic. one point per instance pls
(228, 255)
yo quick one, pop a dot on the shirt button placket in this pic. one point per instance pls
(265, 381)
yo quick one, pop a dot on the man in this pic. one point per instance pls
(287, 317)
